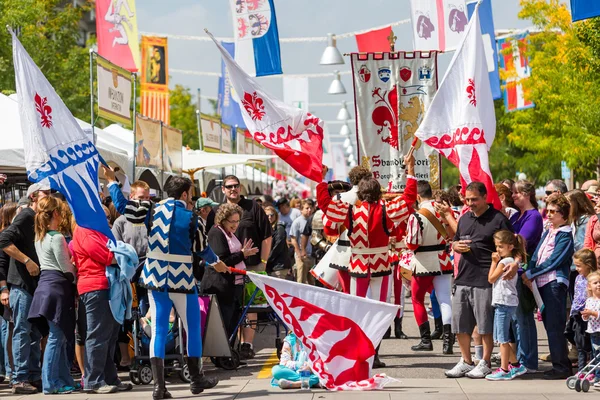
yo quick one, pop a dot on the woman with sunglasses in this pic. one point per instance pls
(279, 263)
(226, 245)
(550, 266)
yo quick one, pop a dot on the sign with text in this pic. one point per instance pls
(114, 92)
(211, 133)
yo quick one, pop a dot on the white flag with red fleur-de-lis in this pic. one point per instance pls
(293, 134)
(57, 151)
(339, 332)
(461, 121)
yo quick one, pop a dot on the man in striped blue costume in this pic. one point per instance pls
(168, 275)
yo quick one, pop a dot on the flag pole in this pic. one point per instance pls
(134, 125)
(92, 94)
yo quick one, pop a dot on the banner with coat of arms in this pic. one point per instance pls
(114, 92)
(392, 91)
(155, 78)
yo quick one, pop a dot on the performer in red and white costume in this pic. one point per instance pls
(432, 268)
(370, 225)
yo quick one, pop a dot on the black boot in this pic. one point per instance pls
(388, 333)
(439, 329)
(199, 381)
(398, 329)
(377, 363)
(158, 373)
(448, 339)
(425, 344)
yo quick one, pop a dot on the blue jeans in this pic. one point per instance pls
(27, 352)
(554, 295)
(525, 332)
(56, 369)
(101, 332)
(4, 356)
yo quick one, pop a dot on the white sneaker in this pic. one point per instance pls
(460, 369)
(480, 371)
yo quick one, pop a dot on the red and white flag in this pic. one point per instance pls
(293, 134)
(374, 40)
(340, 332)
(461, 122)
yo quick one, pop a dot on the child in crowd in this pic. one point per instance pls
(294, 359)
(505, 301)
(591, 313)
(585, 263)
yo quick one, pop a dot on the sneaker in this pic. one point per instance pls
(460, 369)
(499, 375)
(106, 389)
(246, 351)
(517, 371)
(495, 358)
(480, 371)
(124, 387)
(530, 371)
(24, 388)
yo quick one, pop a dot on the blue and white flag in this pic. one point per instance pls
(584, 9)
(486, 20)
(228, 105)
(256, 37)
(57, 151)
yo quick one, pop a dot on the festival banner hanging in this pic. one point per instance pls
(438, 24)
(226, 139)
(256, 37)
(148, 151)
(155, 78)
(117, 33)
(172, 149)
(392, 91)
(295, 135)
(228, 102)
(516, 70)
(211, 133)
(58, 154)
(376, 40)
(461, 121)
(114, 92)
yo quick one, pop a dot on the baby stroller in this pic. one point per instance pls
(141, 371)
(580, 382)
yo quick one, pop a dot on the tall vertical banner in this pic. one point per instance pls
(172, 149)
(211, 133)
(340, 170)
(392, 91)
(155, 78)
(256, 37)
(295, 92)
(148, 149)
(584, 9)
(240, 141)
(516, 67)
(486, 20)
(438, 24)
(228, 102)
(226, 146)
(114, 92)
(117, 32)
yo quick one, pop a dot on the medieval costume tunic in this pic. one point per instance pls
(369, 226)
(432, 268)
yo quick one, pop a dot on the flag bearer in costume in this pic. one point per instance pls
(369, 225)
(432, 268)
(170, 279)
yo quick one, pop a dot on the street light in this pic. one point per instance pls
(349, 150)
(346, 142)
(343, 114)
(336, 87)
(345, 131)
(331, 55)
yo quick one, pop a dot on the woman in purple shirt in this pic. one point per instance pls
(528, 223)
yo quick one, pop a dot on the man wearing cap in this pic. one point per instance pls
(17, 241)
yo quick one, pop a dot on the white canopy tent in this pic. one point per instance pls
(12, 156)
(198, 159)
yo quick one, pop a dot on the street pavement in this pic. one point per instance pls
(419, 375)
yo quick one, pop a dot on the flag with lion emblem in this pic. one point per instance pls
(392, 91)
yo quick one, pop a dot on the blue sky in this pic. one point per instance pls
(294, 19)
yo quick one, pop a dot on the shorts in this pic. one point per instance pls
(256, 268)
(472, 306)
(503, 316)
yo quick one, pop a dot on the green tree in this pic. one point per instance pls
(183, 115)
(49, 31)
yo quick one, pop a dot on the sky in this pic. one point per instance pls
(294, 19)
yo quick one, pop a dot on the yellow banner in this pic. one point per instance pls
(155, 78)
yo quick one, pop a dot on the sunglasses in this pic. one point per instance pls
(549, 192)
(270, 215)
(551, 211)
(236, 186)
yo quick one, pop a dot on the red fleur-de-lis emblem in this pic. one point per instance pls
(254, 106)
(471, 93)
(41, 106)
